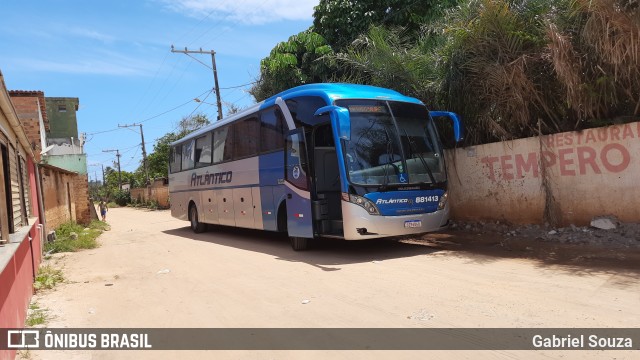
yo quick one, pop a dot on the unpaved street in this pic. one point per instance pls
(163, 275)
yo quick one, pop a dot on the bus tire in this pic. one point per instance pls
(299, 243)
(196, 226)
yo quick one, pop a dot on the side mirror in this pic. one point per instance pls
(339, 119)
(457, 124)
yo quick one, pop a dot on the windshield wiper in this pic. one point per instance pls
(424, 162)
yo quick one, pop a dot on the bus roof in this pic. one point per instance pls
(335, 91)
(329, 91)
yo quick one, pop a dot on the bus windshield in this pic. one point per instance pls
(392, 143)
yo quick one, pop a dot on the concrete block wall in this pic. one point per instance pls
(566, 178)
(81, 189)
(55, 186)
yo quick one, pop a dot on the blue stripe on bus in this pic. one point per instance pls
(271, 167)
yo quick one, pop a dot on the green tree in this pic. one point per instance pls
(389, 58)
(300, 60)
(342, 21)
(158, 159)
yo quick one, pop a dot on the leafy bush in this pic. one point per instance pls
(122, 197)
(86, 239)
(47, 277)
(36, 315)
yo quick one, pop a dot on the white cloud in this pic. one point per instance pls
(97, 66)
(245, 11)
(90, 34)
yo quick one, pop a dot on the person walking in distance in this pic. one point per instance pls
(103, 210)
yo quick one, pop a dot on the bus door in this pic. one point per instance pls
(297, 181)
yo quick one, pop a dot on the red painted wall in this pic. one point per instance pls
(16, 279)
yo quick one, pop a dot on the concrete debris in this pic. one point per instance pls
(305, 301)
(164, 271)
(605, 222)
(422, 315)
(604, 231)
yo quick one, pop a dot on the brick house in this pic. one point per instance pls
(21, 218)
(51, 128)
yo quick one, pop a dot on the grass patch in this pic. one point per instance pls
(47, 277)
(83, 239)
(112, 205)
(36, 315)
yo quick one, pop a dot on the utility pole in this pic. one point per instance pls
(144, 151)
(215, 72)
(119, 174)
(102, 174)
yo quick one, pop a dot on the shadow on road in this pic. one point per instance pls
(326, 254)
(578, 259)
(329, 254)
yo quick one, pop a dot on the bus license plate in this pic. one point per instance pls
(413, 223)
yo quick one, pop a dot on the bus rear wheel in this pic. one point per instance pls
(299, 243)
(196, 226)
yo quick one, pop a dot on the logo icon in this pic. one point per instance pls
(403, 179)
(23, 339)
(296, 172)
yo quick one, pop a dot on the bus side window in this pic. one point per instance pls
(222, 144)
(203, 150)
(176, 155)
(246, 137)
(188, 155)
(272, 130)
(303, 110)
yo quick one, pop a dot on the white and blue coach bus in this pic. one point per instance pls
(320, 160)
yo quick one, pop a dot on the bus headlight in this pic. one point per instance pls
(364, 203)
(443, 201)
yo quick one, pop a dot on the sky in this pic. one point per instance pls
(115, 56)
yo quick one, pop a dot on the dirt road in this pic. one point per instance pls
(163, 275)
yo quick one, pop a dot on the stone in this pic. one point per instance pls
(604, 223)
(552, 232)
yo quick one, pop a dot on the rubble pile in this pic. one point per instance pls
(602, 231)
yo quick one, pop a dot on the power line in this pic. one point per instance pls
(170, 110)
(213, 67)
(217, 23)
(238, 86)
(257, 9)
(152, 117)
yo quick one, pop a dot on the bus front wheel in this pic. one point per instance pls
(299, 243)
(196, 226)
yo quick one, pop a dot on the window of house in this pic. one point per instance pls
(203, 150)
(247, 135)
(188, 155)
(272, 130)
(7, 222)
(24, 190)
(62, 108)
(222, 144)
